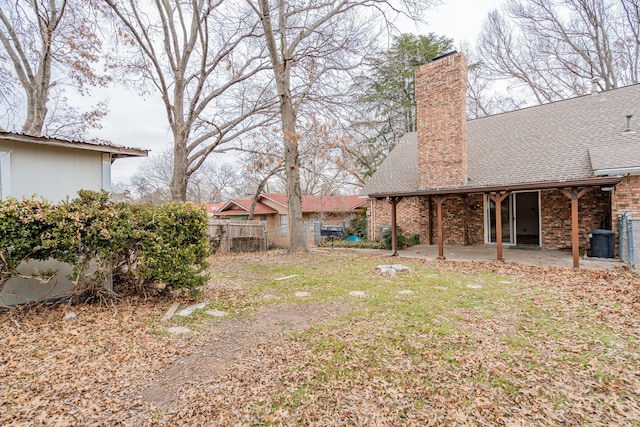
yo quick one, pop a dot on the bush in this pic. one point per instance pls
(147, 248)
(364, 244)
(358, 225)
(401, 240)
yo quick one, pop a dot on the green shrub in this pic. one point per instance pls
(147, 248)
(401, 240)
(358, 225)
(364, 244)
(22, 224)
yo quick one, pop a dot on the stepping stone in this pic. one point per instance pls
(216, 313)
(443, 288)
(392, 270)
(303, 294)
(358, 294)
(187, 311)
(506, 282)
(472, 286)
(386, 270)
(286, 277)
(268, 296)
(169, 314)
(406, 292)
(178, 330)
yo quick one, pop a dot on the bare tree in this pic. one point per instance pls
(211, 183)
(199, 55)
(47, 45)
(310, 45)
(553, 49)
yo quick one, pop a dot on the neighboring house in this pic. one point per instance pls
(212, 208)
(556, 171)
(54, 169)
(273, 209)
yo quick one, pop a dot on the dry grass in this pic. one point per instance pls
(474, 344)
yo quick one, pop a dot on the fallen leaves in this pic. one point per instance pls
(522, 346)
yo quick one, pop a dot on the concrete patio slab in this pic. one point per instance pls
(533, 256)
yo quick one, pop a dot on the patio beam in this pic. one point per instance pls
(497, 199)
(394, 229)
(574, 195)
(439, 200)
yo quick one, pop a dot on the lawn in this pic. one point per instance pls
(444, 344)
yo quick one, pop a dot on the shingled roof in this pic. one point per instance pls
(573, 139)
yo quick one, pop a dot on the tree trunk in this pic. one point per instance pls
(281, 62)
(179, 178)
(297, 241)
(36, 113)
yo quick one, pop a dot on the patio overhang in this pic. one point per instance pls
(574, 189)
(469, 189)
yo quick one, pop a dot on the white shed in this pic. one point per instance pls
(55, 168)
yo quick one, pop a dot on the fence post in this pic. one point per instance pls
(229, 237)
(631, 243)
(304, 229)
(266, 241)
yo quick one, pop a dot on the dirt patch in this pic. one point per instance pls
(231, 340)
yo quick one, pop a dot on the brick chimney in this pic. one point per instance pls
(441, 89)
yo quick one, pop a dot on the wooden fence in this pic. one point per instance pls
(237, 236)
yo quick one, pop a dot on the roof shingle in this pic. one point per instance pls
(560, 141)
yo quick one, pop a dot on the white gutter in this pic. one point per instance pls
(633, 170)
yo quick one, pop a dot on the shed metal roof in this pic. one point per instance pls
(117, 150)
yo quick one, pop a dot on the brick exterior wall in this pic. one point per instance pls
(412, 217)
(463, 217)
(626, 198)
(593, 214)
(440, 89)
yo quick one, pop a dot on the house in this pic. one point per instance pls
(543, 176)
(54, 169)
(273, 209)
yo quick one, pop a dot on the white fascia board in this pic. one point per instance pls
(635, 170)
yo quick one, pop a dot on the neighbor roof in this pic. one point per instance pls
(309, 204)
(558, 142)
(242, 207)
(104, 147)
(322, 203)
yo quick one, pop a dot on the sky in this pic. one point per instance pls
(134, 121)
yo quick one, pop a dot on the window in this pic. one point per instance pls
(5, 175)
(284, 229)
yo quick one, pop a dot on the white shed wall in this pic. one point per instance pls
(52, 172)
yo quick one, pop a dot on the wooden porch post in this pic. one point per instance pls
(439, 200)
(394, 231)
(497, 199)
(575, 195)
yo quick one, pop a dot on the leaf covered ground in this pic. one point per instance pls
(477, 344)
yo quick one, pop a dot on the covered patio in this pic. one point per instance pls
(487, 252)
(573, 190)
